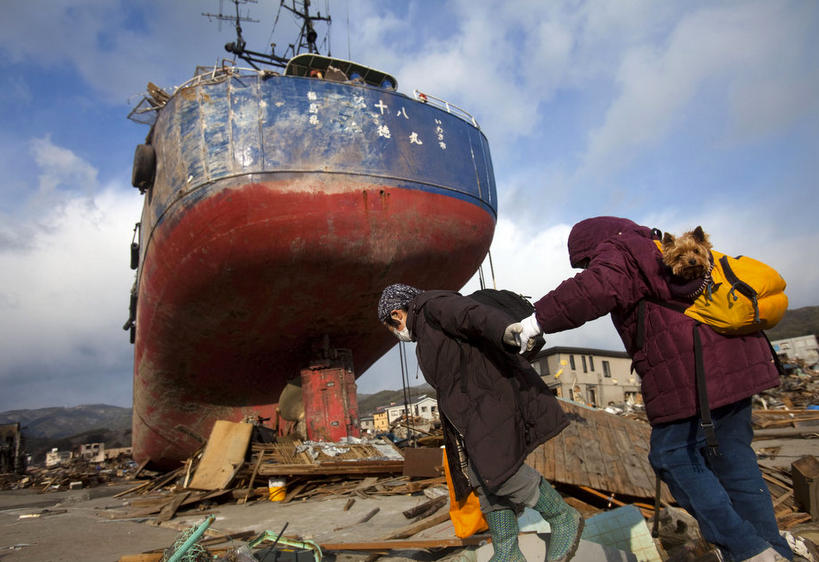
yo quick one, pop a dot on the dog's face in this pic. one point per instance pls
(688, 255)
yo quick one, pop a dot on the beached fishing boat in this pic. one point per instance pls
(279, 202)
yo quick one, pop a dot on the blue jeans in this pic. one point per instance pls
(726, 494)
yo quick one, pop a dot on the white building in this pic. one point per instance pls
(55, 457)
(593, 377)
(423, 407)
(92, 452)
(804, 348)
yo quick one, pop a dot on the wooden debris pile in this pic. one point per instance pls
(231, 468)
(598, 463)
(798, 390)
(76, 473)
(780, 485)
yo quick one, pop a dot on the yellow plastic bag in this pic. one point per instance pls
(466, 514)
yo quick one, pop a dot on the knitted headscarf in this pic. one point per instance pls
(395, 297)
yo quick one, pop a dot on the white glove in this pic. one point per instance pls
(511, 335)
(531, 329)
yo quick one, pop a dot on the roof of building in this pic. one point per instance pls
(581, 351)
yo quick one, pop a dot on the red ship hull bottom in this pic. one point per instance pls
(238, 288)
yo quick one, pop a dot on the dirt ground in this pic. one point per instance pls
(78, 525)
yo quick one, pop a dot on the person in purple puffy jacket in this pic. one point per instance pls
(723, 489)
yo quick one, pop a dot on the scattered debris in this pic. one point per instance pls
(599, 463)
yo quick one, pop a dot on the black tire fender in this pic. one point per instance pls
(134, 255)
(142, 175)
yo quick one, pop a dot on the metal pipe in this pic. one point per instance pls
(192, 539)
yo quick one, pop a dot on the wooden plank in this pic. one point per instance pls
(549, 460)
(358, 467)
(785, 432)
(405, 543)
(224, 455)
(253, 477)
(574, 465)
(142, 486)
(152, 557)
(596, 471)
(636, 480)
(618, 473)
(426, 508)
(364, 519)
(170, 509)
(416, 527)
(647, 512)
(419, 485)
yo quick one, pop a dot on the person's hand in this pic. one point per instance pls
(531, 329)
(511, 335)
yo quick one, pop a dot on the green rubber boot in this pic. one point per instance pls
(565, 521)
(503, 527)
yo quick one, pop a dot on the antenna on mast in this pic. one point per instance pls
(237, 47)
(307, 36)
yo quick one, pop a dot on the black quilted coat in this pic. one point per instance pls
(625, 266)
(492, 401)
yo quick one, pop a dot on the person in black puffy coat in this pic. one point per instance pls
(725, 492)
(494, 408)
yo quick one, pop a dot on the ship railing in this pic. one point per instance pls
(446, 106)
(145, 111)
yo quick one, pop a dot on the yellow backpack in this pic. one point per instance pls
(743, 296)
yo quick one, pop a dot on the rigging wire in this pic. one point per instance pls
(349, 51)
(481, 278)
(402, 356)
(492, 269)
(273, 30)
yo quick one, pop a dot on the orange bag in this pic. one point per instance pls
(466, 514)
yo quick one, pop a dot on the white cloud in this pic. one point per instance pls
(744, 46)
(61, 167)
(64, 296)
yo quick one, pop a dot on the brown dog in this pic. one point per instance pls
(689, 255)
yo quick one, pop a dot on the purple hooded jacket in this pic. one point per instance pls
(624, 266)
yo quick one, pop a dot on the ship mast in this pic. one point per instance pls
(306, 41)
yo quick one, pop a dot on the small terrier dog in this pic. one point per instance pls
(689, 255)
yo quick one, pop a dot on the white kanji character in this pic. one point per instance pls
(314, 120)
(380, 105)
(311, 95)
(442, 145)
(414, 139)
(384, 131)
(402, 112)
(313, 108)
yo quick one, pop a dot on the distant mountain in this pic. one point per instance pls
(368, 403)
(56, 423)
(796, 323)
(64, 428)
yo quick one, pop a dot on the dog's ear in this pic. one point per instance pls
(668, 239)
(699, 235)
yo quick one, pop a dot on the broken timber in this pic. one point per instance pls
(601, 451)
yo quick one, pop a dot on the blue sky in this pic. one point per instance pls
(673, 114)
